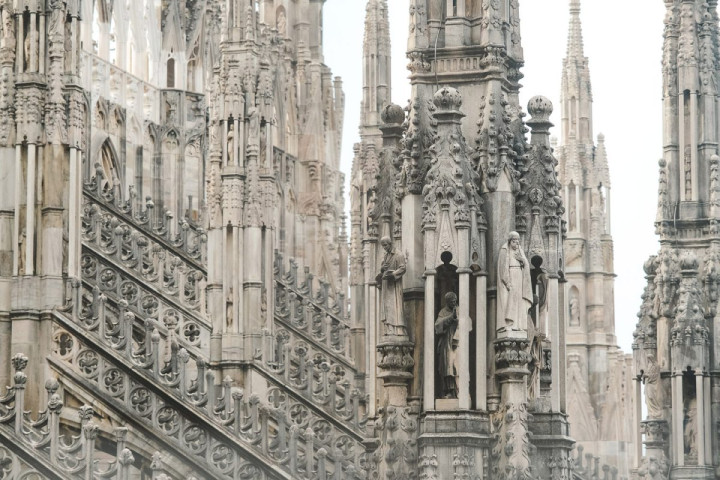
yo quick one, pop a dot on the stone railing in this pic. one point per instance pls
(315, 377)
(121, 291)
(119, 86)
(223, 428)
(310, 348)
(35, 449)
(586, 466)
(106, 215)
(140, 258)
(315, 385)
(312, 312)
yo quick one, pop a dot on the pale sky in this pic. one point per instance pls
(623, 40)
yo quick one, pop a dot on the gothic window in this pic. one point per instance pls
(171, 73)
(110, 167)
(193, 180)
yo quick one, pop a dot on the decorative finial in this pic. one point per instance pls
(393, 114)
(447, 98)
(689, 261)
(540, 108)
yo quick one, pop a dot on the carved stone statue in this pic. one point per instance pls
(282, 23)
(231, 148)
(21, 253)
(446, 335)
(653, 390)
(515, 296)
(8, 25)
(691, 428)
(389, 281)
(574, 312)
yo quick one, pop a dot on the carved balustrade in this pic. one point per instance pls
(120, 293)
(312, 312)
(119, 86)
(315, 376)
(135, 235)
(123, 248)
(35, 449)
(216, 423)
(586, 466)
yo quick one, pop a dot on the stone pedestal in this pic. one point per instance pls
(455, 444)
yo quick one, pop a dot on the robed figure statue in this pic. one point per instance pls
(389, 281)
(515, 295)
(446, 336)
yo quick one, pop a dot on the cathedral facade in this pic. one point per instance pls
(599, 375)
(676, 343)
(182, 295)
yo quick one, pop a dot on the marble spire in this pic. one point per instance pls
(376, 67)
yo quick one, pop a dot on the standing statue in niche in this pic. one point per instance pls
(574, 312)
(653, 390)
(282, 23)
(389, 281)
(691, 429)
(515, 295)
(446, 334)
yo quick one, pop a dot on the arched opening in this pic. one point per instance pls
(574, 307)
(110, 168)
(171, 73)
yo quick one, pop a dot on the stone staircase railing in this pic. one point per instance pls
(122, 292)
(586, 466)
(316, 377)
(106, 215)
(35, 449)
(311, 379)
(143, 262)
(312, 311)
(180, 398)
(312, 341)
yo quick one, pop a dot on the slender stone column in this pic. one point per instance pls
(557, 371)
(677, 420)
(73, 268)
(637, 435)
(707, 442)
(464, 323)
(30, 211)
(700, 405)
(20, 51)
(429, 343)
(41, 44)
(481, 341)
(694, 147)
(18, 200)
(33, 60)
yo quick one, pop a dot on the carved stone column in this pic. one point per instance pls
(512, 452)
(655, 462)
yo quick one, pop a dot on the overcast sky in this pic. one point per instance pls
(623, 40)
